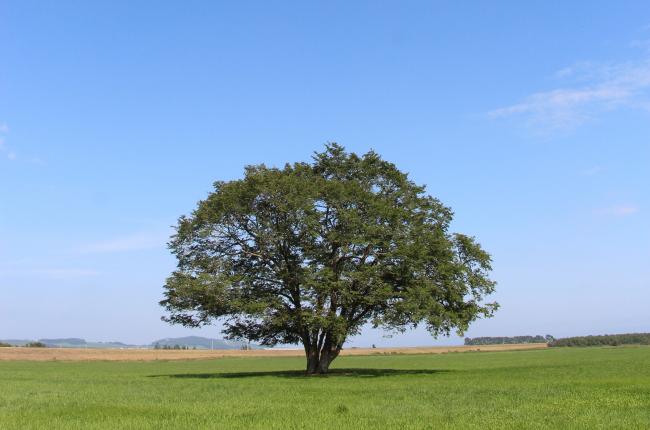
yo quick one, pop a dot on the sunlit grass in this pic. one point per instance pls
(556, 388)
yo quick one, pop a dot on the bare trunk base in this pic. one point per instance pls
(319, 364)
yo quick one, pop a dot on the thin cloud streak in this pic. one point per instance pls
(10, 155)
(68, 273)
(63, 274)
(134, 242)
(591, 171)
(599, 89)
(619, 211)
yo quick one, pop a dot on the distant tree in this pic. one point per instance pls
(487, 340)
(36, 345)
(4, 345)
(604, 340)
(311, 252)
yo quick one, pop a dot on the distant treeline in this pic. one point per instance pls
(508, 340)
(183, 347)
(607, 339)
(28, 345)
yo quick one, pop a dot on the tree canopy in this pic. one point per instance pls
(605, 339)
(309, 253)
(492, 340)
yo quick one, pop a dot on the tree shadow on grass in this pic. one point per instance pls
(358, 373)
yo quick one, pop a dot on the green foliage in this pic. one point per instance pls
(608, 339)
(169, 347)
(310, 253)
(36, 345)
(508, 340)
(558, 388)
(176, 347)
(4, 345)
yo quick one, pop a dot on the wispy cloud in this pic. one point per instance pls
(619, 210)
(594, 89)
(643, 44)
(133, 242)
(9, 153)
(67, 273)
(579, 68)
(591, 171)
(4, 148)
(63, 274)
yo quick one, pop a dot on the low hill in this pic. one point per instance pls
(190, 342)
(70, 342)
(199, 342)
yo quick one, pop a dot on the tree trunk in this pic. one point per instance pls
(318, 362)
(326, 359)
(312, 361)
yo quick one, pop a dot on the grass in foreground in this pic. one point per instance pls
(557, 388)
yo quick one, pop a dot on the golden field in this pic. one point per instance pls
(81, 354)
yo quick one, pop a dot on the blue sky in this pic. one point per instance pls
(532, 121)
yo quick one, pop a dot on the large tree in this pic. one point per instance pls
(310, 253)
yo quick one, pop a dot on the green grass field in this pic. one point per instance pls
(586, 388)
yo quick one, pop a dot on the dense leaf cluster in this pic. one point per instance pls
(311, 252)
(508, 340)
(36, 345)
(604, 340)
(177, 347)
